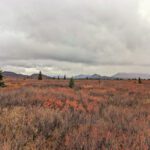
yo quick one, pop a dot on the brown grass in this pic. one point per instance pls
(49, 115)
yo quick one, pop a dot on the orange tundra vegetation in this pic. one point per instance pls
(48, 115)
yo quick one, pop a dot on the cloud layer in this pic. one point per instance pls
(75, 36)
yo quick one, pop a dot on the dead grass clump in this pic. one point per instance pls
(22, 97)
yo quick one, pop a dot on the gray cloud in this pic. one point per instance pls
(73, 36)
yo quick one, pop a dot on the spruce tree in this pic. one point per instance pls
(139, 80)
(64, 77)
(71, 83)
(1, 75)
(40, 76)
(1, 79)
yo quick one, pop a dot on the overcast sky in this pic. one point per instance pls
(75, 36)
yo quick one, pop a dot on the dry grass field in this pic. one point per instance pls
(48, 115)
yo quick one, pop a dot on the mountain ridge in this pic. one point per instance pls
(120, 75)
(123, 75)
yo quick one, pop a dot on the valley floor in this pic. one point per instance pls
(48, 115)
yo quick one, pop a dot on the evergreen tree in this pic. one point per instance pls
(1, 75)
(64, 77)
(71, 83)
(139, 80)
(1, 79)
(40, 76)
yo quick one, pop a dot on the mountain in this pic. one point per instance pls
(10, 74)
(13, 75)
(94, 76)
(131, 76)
(35, 76)
(81, 76)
